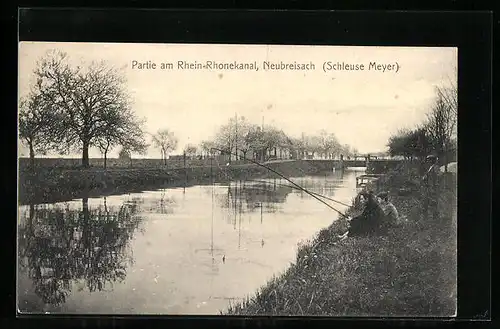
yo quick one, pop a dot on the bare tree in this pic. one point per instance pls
(449, 96)
(346, 150)
(166, 141)
(440, 127)
(233, 137)
(207, 147)
(249, 139)
(36, 126)
(313, 144)
(243, 140)
(286, 144)
(328, 144)
(268, 139)
(299, 147)
(190, 150)
(124, 153)
(85, 95)
(449, 92)
(121, 128)
(255, 143)
(354, 152)
(226, 138)
(131, 146)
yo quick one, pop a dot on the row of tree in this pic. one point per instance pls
(239, 138)
(242, 138)
(437, 135)
(76, 107)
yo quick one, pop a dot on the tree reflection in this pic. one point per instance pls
(252, 196)
(165, 203)
(59, 246)
(327, 186)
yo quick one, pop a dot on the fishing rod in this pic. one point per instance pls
(282, 176)
(291, 186)
(286, 185)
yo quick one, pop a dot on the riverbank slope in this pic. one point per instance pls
(411, 271)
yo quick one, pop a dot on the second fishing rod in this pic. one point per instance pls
(293, 187)
(284, 177)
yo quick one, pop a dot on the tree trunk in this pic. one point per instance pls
(29, 222)
(445, 158)
(32, 156)
(105, 159)
(85, 155)
(86, 229)
(85, 209)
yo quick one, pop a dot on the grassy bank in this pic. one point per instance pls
(51, 184)
(411, 271)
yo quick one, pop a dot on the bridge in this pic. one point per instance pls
(373, 165)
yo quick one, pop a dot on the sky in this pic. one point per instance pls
(362, 108)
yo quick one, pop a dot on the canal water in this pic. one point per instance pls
(188, 250)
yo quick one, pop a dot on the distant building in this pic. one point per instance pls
(284, 150)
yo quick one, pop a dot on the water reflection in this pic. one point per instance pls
(166, 203)
(60, 246)
(202, 246)
(326, 185)
(251, 196)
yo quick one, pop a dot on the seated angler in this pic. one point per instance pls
(360, 200)
(391, 217)
(370, 220)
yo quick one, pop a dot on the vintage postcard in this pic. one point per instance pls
(216, 179)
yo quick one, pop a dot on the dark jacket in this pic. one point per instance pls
(370, 221)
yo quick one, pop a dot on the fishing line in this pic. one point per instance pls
(282, 176)
(285, 185)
